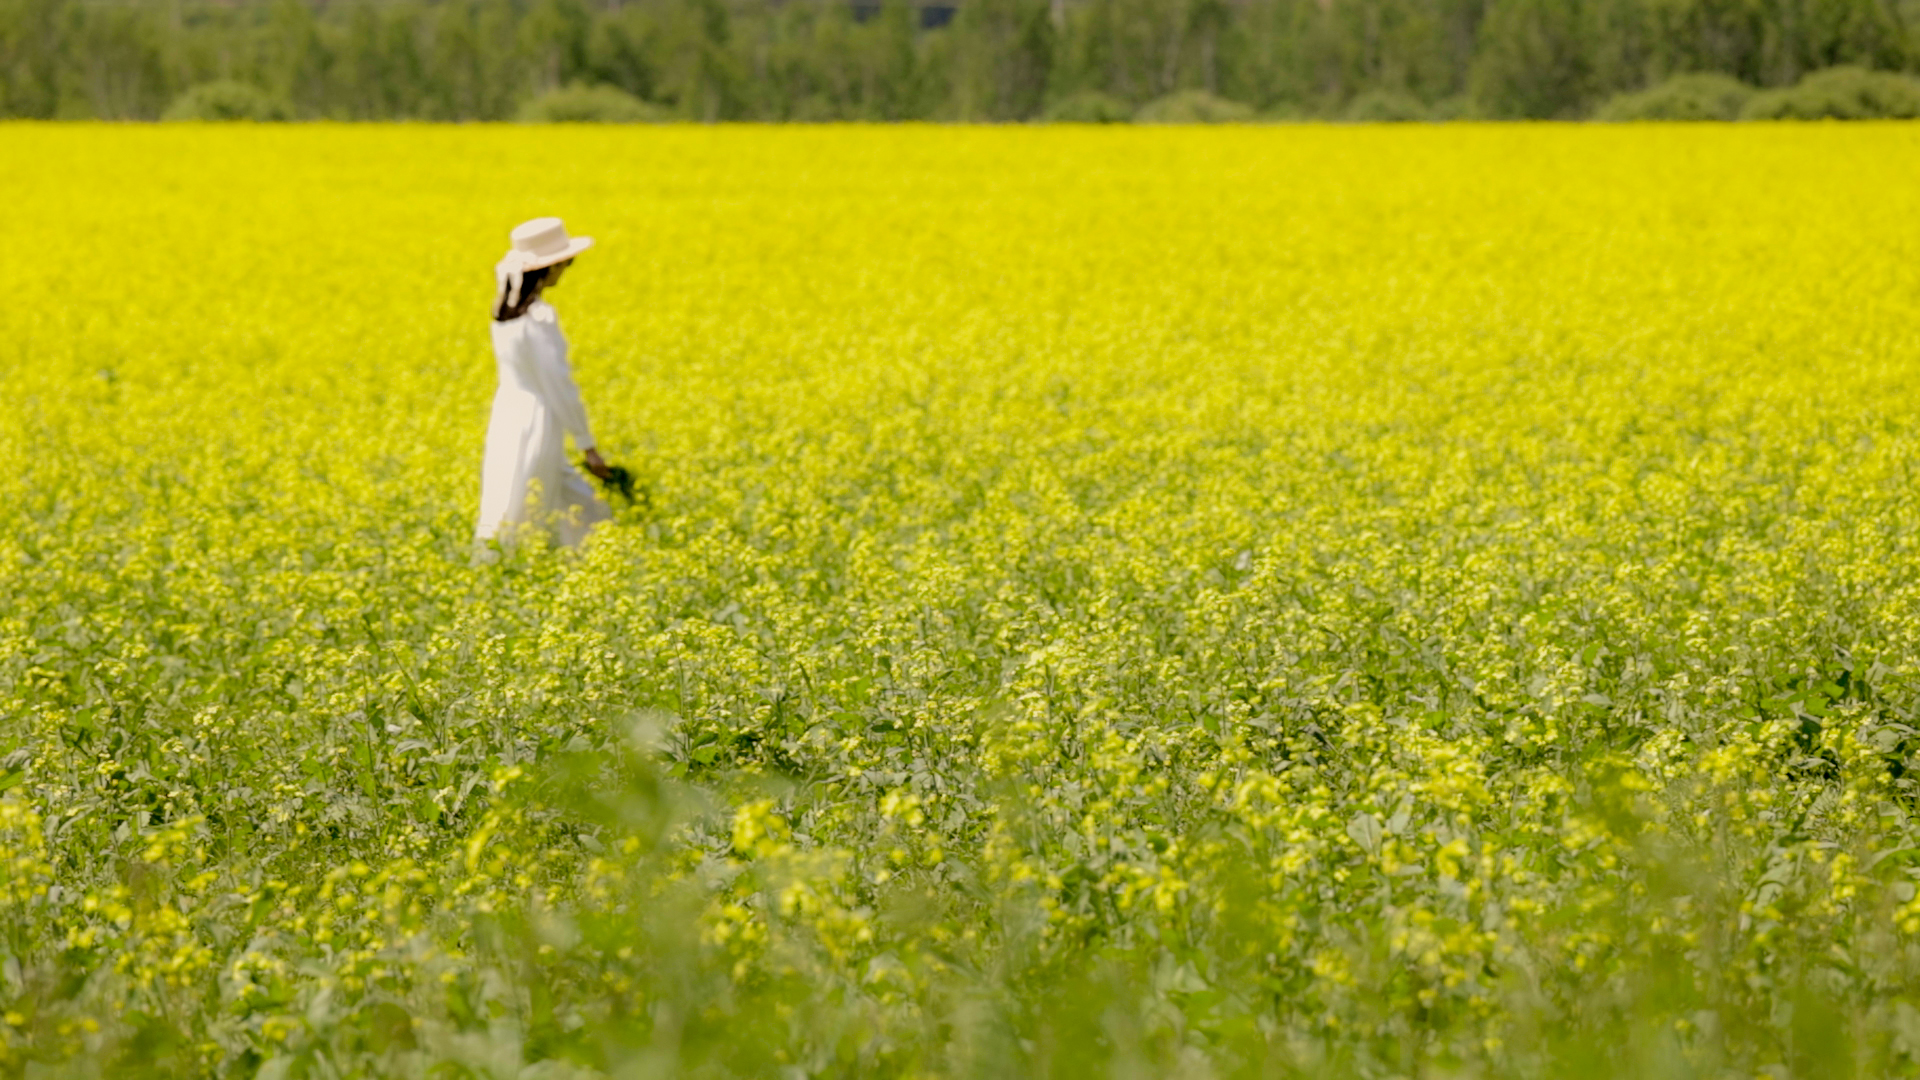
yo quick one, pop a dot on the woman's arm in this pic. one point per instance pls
(561, 393)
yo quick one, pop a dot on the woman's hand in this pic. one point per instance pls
(596, 464)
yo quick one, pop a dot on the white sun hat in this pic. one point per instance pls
(544, 241)
(537, 243)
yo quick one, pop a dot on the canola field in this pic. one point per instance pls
(1198, 603)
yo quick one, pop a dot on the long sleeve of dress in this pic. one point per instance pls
(557, 387)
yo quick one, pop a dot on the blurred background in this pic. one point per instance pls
(957, 60)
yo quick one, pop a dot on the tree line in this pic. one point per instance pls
(967, 60)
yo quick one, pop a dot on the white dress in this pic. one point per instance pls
(526, 479)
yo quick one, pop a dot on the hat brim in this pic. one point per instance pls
(575, 246)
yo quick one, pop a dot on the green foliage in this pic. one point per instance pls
(1384, 107)
(1697, 96)
(1002, 57)
(1193, 107)
(1534, 61)
(979, 60)
(1842, 93)
(227, 100)
(1089, 107)
(581, 104)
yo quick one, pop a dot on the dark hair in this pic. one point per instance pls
(530, 285)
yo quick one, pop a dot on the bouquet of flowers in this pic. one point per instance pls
(618, 480)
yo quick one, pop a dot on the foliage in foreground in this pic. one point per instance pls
(1214, 602)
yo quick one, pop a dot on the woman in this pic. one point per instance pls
(526, 480)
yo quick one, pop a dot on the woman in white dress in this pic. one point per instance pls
(526, 480)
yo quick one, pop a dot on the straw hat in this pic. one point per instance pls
(543, 242)
(537, 243)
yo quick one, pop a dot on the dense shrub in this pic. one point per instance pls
(1694, 96)
(1193, 107)
(1089, 107)
(1385, 107)
(813, 109)
(581, 104)
(1840, 93)
(227, 100)
(1284, 112)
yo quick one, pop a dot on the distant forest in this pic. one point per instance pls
(984, 60)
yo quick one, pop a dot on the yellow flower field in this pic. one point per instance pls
(1319, 601)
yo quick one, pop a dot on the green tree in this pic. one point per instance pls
(295, 62)
(1396, 45)
(359, 68)
(456, 66)
(32, 46)
(554, 37)
(1003, 58)
(886, 65)
(123, 63)
(1532, 62)
(704, 80)
(1849, 32)
(499, 64)
(1712, 35)
(623, 50)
